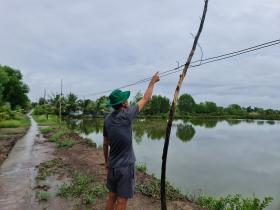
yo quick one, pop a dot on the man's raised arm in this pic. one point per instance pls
(148, 92)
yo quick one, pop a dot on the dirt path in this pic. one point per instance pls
(18, 171)
(18, 185)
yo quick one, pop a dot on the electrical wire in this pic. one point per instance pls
(201, 62)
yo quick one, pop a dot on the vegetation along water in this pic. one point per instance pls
(215, 151)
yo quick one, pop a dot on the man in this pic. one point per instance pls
(117, 132)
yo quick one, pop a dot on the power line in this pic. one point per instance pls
(201, 62)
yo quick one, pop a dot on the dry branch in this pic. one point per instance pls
(173, 108)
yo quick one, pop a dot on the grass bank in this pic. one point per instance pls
(10, 131)
(43, 120)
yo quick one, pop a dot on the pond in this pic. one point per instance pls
(213, 157)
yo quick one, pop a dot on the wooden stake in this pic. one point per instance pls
(173, 108)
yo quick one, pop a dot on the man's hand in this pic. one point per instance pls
(155, 78)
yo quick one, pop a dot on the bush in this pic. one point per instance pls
(235, 202)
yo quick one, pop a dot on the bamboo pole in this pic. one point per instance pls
(173, 108)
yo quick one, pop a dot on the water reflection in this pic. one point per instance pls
(270, 122)
(260, 122)
(233, 122)
(249, 121)
(205, 123)
(85, 126)
(153, 129)
(185, 132)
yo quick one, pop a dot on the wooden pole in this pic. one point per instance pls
(173, 108)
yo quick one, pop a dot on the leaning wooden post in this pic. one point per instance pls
(173, 108)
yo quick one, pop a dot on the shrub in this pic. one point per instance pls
(233, 202)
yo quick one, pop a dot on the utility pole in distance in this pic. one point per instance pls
(60, 101)
(44, 96)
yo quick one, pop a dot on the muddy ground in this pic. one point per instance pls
(88, 160)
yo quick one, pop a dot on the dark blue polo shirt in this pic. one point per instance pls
(118, 129)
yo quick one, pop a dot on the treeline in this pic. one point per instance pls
(70, 105)
(158, 106)
(13, 93)
(188, 106)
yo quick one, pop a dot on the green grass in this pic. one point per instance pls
(43, 195)
(47, 130)
(233, 202)
(142, 167)
(60, 143)
(56, 136)
(83, 187)
(65, 143)
(42, 120)
(151, 188)
(15, 123)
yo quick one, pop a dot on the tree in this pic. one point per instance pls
(159, 104)
(234, 109)
(186, 104)
(71, 103)
(42, 101)
(207, 108)
(55, 103)
(3, 81)
(210, 107)
(101, 105)
(12, 88)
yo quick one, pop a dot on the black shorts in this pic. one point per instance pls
(122, 181)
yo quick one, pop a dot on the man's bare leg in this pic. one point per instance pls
(121, 203)
(111, 201)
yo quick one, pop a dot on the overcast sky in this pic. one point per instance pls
(99, 45)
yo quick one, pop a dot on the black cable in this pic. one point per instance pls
(202, 62)
(222, 58)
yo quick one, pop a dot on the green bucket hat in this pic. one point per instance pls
(118, 97)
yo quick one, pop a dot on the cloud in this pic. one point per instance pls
(100, 45)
